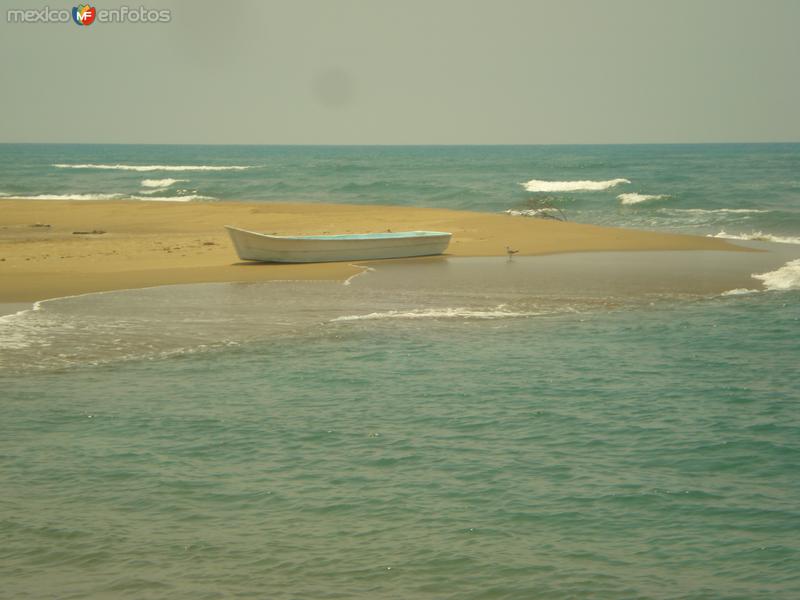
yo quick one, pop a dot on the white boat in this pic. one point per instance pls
(251, 245)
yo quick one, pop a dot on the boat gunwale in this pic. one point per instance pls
(351, 237)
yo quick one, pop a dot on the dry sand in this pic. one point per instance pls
(141, 244)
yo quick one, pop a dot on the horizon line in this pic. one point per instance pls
(390, 145)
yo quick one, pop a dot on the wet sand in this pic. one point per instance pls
(617, 276)
(58, 248)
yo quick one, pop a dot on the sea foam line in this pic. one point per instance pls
(20, 313)
(739, 292)
(145, 168)
(720, 210)
(364, 269)
(37, 305)
(69, 197)
(14, 338)
(757, 236)
(437, 313)
(532, 212)
(187, 198)
(160, 183)
(634, 198)
(539, 185)
(88, 197)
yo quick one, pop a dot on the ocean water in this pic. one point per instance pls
(645, 451)
(612, 425)
(745, 190)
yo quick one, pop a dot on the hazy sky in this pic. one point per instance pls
(408, 72)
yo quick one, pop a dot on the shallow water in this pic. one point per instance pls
(160, 322)
(377, 441)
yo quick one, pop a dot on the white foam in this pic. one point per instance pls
(539, 185)
(364, 269)
(437, 313)
(758, 236)
(703, 211)
(146, 168)
(13, 316)
(71, 197)
(188, 198)
(160, 183)
(12, 337)
(634, 198)
(738, 292)
(785, 278)
(531, 212)
(146, 197)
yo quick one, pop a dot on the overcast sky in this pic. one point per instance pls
(408, 72)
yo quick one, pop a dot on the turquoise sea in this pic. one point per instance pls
(738, 189)
(544, 427)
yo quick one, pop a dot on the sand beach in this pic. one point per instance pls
(58, 248)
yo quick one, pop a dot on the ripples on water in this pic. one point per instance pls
(468, 438)
(742, 189)
(610, 451)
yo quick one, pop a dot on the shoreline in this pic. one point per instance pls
(57, 248)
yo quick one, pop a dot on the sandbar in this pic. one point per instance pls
(55, 248)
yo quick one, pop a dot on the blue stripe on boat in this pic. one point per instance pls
(365, 236)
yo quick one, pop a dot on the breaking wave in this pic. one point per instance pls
(532, 212)
(70, 197)
(757, 236)
(187, 198)
(145, 168)
(703, 211)
(738, 292)
(785, 278)
(539, 185)
(498, 312)
(634, 198)
(160, 183)
(145, 197)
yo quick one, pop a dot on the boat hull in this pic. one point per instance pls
(251, 245)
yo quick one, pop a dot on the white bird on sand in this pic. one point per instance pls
(511, 252)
